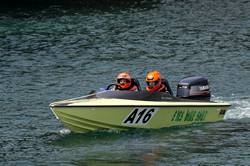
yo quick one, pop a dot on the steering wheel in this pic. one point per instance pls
(110, 86)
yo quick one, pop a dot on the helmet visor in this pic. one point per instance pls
(151, 84)
(123, 81)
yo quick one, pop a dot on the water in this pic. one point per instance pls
(57, 51)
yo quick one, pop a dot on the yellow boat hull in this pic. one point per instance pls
(119, 114)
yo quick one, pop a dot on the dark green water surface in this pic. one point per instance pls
(57, 51)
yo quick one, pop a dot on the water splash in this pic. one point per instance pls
(240, 109)
(240, 106)
(64, 131)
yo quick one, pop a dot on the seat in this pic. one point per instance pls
(165, 82)
(137, 83)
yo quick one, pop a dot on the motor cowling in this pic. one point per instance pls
(194, 88)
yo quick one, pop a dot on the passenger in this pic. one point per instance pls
(154, 82)
(125, 82)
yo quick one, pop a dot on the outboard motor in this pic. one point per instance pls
(194, 88)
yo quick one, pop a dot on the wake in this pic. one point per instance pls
(240, 106)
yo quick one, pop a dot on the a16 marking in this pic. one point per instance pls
(140, 116)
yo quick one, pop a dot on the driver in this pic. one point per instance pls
(154, 82)
(124, 82)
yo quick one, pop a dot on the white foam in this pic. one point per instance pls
(240, 106)
(64, 131)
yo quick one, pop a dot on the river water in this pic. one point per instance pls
(57, 51)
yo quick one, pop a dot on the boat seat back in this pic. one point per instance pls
(137, 84)
(165, 82)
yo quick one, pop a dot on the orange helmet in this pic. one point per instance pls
(153, 80)
(124, 80)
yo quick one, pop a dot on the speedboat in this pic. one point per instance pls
(123, 110)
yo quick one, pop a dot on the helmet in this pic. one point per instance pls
(153, 80)
(124, 80)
